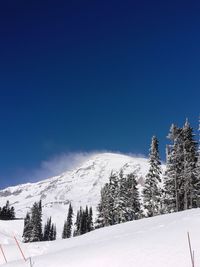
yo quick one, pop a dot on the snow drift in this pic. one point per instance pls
(153, 242)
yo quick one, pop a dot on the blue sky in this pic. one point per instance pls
(79, 76)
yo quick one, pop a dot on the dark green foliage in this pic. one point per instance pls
(27, 228)
(119, 201)
(197, 182)
(90, 220)
(78, 223)
(84, 221)
(33, 224)
(190, 160)
(64, 232)
(132, 199)
(67, 229)
(181, 181)
(108, 208)
(152, 190)
(36, 222)
(103, 209)
(47, 235)
(52, 235)
(7, 212)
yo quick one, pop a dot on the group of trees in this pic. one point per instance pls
(180, 189)
(120, 200)
(182, 177)
(84, 221)
(7, 212)
(33, 231)
(49, 231)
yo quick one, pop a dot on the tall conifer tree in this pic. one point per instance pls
(152, 191)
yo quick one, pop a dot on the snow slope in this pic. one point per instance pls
(81, 186)
(152, 242)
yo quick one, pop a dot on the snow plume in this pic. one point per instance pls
(60, 163)
(66, 162)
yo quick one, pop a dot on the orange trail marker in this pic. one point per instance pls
(3, 253)
(20, 249)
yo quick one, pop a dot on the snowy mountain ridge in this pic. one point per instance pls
(80, 186)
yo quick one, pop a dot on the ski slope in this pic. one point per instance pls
(153, 242)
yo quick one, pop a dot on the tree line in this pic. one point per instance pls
(120, 199)
(83, 222)
(7, 212)
(34, 232)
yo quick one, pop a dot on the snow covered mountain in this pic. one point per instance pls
(80, 186)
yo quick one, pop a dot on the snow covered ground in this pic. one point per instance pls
(152, 242)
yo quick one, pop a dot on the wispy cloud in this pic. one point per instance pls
(58, 164)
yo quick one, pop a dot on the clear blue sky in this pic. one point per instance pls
(93, 75)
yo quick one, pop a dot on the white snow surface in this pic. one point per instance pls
(80, 186)
(152, 242)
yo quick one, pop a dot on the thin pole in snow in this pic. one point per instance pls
(30, 261)
(193, 258)
(3, 253)
(20, 249)
(190, 247)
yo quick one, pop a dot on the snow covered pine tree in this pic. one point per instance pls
(152, 190)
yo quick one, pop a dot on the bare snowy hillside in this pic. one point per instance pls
(160, 241)
(80, 186)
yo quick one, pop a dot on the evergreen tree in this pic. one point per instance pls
(12, 213)
(77, 224)
(47, 230)
(36, 221)
(152, 191)
(87, 219)
(40, 205)
(170, 182)
(132, 199)
(181, 183)
(173, 179)
(90, 220)
(27, 228)
(190, 159)
(64, 232)
(67, 229)
(52, 234)
(113, 198)
(105, 208)
(197, 184)
(121, 199)
(83, 221)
